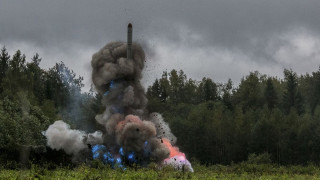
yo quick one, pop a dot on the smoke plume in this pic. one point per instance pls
(131, 135)
(60, 136)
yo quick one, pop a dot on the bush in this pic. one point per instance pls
(264, 158)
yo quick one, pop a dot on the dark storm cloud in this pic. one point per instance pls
(255, 29)
(222, 22)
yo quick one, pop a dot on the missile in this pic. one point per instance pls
(129, 42)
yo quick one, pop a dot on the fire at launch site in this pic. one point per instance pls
(131, 134)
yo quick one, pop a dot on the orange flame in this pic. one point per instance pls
(128, 119)
(174, 151)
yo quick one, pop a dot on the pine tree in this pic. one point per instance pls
(270, 94)
(36, 77)
(164, 87)
(207, 90)
(174, 86)
(16, 78)
(227, 94)
(155, 90)
(4, 64)
(190, 92)
(292, 97)
(315, 90)
(249, 93)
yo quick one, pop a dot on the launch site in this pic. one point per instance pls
(159, 89)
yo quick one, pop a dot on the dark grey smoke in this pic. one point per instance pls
(118, 78)
(127, 123)
(110, 66)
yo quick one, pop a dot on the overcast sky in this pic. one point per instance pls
(217, 39)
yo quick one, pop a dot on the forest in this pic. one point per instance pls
(275, 118)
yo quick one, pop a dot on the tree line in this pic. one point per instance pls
(214, 122)
(220, 123)
(32, 98)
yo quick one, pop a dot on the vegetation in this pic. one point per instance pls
(266, 118)
(33, 98)
(242, 171)
(219, 123)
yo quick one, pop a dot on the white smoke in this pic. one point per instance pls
(163, 129)
(60, 136)
(179, 163)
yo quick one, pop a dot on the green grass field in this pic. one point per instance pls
(238, 171)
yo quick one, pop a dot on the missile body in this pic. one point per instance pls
(129, 42)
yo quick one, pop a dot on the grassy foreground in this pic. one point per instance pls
(238, 171)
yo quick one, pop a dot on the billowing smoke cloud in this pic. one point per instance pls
(60, 136)
(132, 135)
(119, 79)
(163, 129)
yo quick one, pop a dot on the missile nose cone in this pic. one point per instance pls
(129, 42)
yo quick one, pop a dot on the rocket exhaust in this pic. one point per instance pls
(129, 42)
(127, 137)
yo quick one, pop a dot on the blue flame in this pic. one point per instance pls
(96, 155)
(119, 163)
(146, 149)
(131, 157)
(117, 160)
(108, 158)
(100, 152)
(111, 86)
(106, 93)
(121, 151)
(97, 149)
